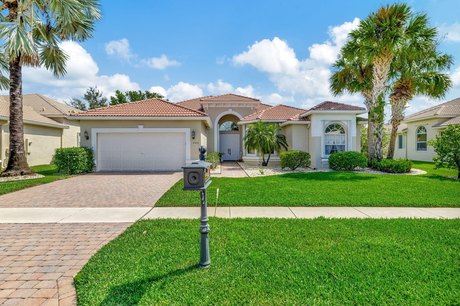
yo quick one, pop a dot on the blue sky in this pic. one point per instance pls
(278, 51)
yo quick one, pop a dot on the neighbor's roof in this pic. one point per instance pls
(276, 113)
(47, 106)
(144, 108)
(455, 120)
(30, 116)
(197, 103)
(447, 109)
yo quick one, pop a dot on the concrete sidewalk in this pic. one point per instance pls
(305, 212)
(132, 214)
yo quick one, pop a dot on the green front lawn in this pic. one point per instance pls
(283, 262)
(49, 171)
(328, 189)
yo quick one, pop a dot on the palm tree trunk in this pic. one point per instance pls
(377, 121)
(397, 116)
(17, 161)
(370, 136)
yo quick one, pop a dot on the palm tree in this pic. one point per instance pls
(374, 43)
(265, 138)
(417, 70)
(354, 77)
(30, 32)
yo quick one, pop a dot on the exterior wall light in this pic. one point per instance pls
(193, 134)
(86, 134)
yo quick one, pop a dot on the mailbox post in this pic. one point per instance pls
(197, 178)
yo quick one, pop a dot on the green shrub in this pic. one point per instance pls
(392, 165)
(294, 159)
(74, 160)
(213, 158)
(347, 161)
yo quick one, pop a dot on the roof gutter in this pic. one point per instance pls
(260, 120)
(296, 122)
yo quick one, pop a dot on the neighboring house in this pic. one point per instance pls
(159, 135)
(46, 128)
(418, 129)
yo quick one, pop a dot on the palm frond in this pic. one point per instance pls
(53, 58)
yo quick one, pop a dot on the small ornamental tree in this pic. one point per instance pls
(447, 147)
(266, 139)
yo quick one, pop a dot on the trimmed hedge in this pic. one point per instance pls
(347, 161)
(392, 165)
(213, 158)
(74, 160)
(294, 159)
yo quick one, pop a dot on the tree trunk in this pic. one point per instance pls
(268, 159)
(377, 121)
(17, 161)
(397, 116)
(370, 136)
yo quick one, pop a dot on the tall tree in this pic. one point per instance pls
(93, 98)
(30, 32)
(266, 138)
(374, 43)
(132, 96)
(418, 69)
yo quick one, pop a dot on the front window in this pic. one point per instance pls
(334, 139)
(400, 142)
(421, 138)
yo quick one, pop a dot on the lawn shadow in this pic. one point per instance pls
(132, 293)
(328, 176)
(442, 177)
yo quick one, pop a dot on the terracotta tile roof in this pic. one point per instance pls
(231, 97)
(328, 105)
(447, 109)
(29, 114)
(278, 112)
(194, 103)
(144, 108)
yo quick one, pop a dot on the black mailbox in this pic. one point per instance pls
(197, 175)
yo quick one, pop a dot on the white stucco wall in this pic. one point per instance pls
(318, 122)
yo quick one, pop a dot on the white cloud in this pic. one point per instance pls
(272, 56)
(159, 63)
(220, 87)
(305, 78)
(82, 72)
(158, 89)
(119, 48)
(183, 91)
(451, 32)
(455, 76)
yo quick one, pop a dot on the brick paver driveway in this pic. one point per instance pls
(95, 190)
(38, 261)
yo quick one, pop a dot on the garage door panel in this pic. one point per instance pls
(141, 151)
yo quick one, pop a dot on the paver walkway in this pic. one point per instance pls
(96, 190)
(38, 261)
(230, 169)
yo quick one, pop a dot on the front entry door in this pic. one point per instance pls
(230, 146)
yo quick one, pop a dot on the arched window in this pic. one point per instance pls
(334, 139)
(228, 126)
(421, 138)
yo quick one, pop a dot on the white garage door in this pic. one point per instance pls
(140, 151)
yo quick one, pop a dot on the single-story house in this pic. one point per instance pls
(46, 128)
(418, 129)
(155, 134)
